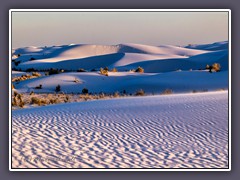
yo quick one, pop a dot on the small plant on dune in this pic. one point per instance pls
(38, 87)
(216, 67)
(16, 63)
(30, 70)
(104, 71)
(114, 70)
(31, 93)
(139, 70)
(81, 70)
(76, 80)
(13, 86)
(67, 99)
(53, 71)
(32, 58)
(36, 74)
(167, 91)
(35, 100)
(85, 91)
(58, 88)
(116, 94)
(140, 93)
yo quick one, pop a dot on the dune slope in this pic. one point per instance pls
(172, 131)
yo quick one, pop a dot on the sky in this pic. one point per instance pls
(109, 28)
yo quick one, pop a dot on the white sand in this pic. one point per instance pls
(171, 131)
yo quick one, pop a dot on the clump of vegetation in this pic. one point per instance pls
(13, 86)
(31, 93)
(104, 71)
(76, 80)
(139, 70)
(53, 71)
(38, 101)
(39, 86)
(85, 91)
(36, 74)
(114, 70)
(81, 70)
(32, 58)
(30, 70)
(58, 88)
(214, 67)
(140, 93)
(35, 100)
(16, 63)
(167, 91)
(18, 100)
(116, 94)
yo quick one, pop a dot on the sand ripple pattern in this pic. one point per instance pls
(172, 131)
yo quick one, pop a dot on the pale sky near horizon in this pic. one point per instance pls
(152, 28)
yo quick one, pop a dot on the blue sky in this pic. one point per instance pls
(152, 28)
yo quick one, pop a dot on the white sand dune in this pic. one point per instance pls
(95, 56)
(171, 131)
(178, 81)
(210, 47)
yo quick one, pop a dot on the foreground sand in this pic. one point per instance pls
(171, 131)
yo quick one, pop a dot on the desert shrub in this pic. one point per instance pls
(101, 95)
(58, 88)
(76, 80)
(14, 102)
(216, 67)
(21, 104)
(140, 70)
(103, 71)
(46, 73)
(207, 67)
(67, 98)
(106, 68)
(36, 74)
(38, 87)
(30, 70)
(81, 70)
(31, 93)
(114, 70)
(13, 86)
(32, 58)
(84, 90)
(140, 93)
(167, 91)
(42, 102)
(116, 94)
(35, 100)
(15, 93)
(16, 63)
(53, 101)
(53, 71)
